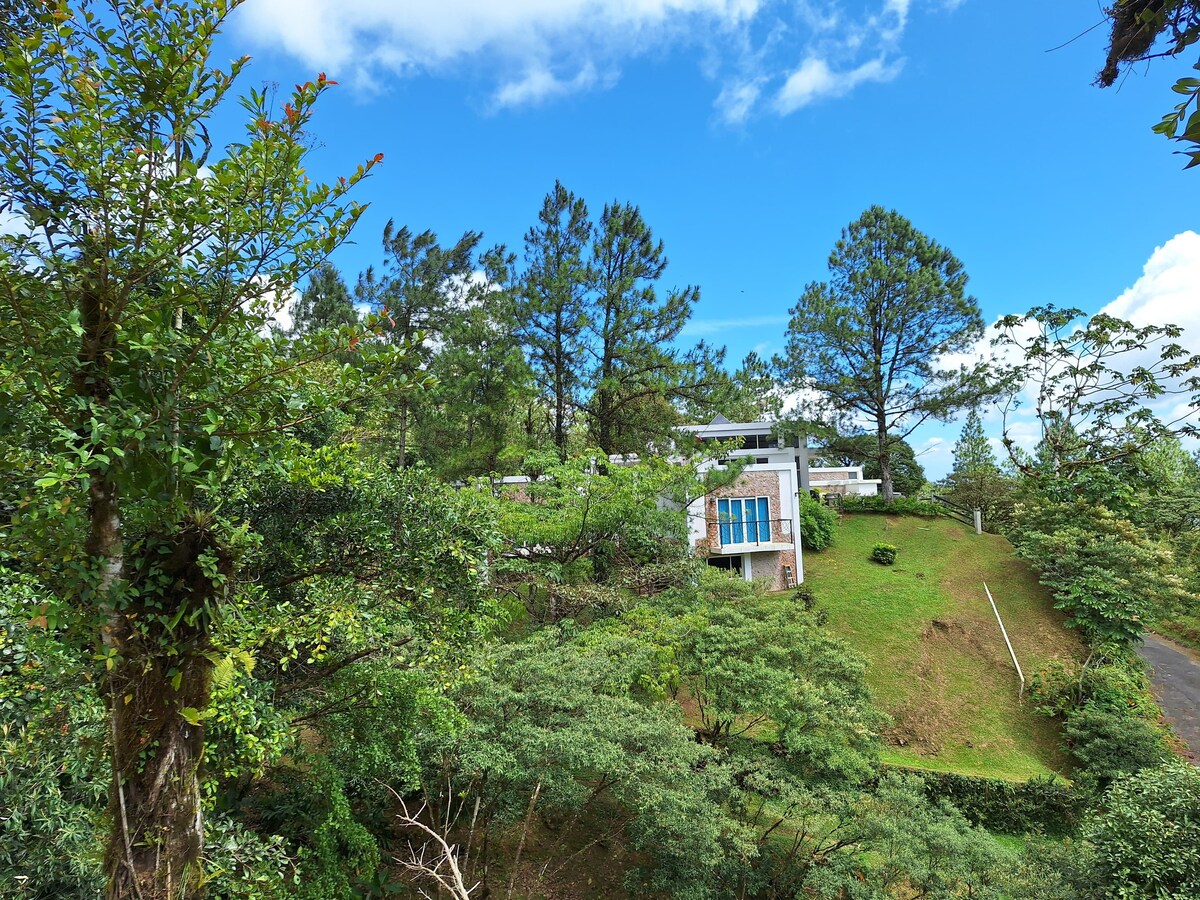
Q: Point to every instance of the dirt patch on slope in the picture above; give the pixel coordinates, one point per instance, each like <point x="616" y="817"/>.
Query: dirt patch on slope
<point x="940" y="708"/>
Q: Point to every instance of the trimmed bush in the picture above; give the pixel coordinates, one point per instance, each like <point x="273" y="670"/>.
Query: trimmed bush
<point x="1047" y="804"/>
<point x="885" y="554"/>
<point x="901" y="505"/>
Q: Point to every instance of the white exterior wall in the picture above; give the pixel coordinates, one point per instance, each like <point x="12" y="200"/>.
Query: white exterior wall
<point x="781" y="462"/>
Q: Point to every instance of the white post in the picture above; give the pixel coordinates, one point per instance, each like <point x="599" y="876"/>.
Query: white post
<point x="1004" y="632"/>
<point x="979" y="521"/>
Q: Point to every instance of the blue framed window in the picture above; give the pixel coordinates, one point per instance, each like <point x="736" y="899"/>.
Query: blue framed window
<point x="744" y="520"/>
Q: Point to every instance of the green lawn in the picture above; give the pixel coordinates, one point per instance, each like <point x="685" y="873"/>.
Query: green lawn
<point x="938" y="663"/>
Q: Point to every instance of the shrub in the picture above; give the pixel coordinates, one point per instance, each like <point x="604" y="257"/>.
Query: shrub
<point x="1046" y="804"/>
<point x="1110" y="743"/>
<point x="1147" y="834"/>
<point x="817" y="522"/>
<point x="900" y="505"/>
<point x="884" y="554"/>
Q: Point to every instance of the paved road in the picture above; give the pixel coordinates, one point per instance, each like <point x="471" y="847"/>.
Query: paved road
<point x="1175" y="673"/>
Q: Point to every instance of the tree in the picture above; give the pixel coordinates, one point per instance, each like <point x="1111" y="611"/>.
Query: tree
<point x="1093" y="385"/>
<point x="467" y="421"/>
<point x="1106" y="574"/>
<point x="552" y="306"/>
<point x="1138" y="26"/>
<point x="1146" y="834"/>
<point x="638" y="375"/>
<point x="325" y="303"/>
<point x="869" y="343"/>
<point x="975" y="480"/>
<point x="755" y="392"/>
<point x="418" y="291"/>
<point x="131" y="319"/>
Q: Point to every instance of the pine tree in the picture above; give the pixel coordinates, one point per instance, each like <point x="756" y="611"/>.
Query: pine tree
<point x="419" y="290"/>
<point x="325" y="303"/>
<point x="638" y="374"/>
<point x="973" y="453"/>
<point x="552" y="305"/>
<point x="867" y="342"/>
<point x="976" y="480"/>
<point x="469" y="418"/>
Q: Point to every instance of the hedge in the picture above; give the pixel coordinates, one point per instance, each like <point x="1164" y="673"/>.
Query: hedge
<point x="1046" y="803"/>
<point x="876" y="504"/>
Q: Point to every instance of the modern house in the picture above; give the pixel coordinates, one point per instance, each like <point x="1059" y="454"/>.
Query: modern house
<point x="842" y="480"/>
<point x="752" y="526"/>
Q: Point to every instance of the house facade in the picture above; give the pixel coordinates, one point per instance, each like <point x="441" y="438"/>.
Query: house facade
<point x="752" y="527"/>
<point x="845" y="480"/>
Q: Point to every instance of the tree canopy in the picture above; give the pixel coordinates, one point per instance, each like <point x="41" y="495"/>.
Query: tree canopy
<point x="133" y="313"/>
<point x="868" y="347"/>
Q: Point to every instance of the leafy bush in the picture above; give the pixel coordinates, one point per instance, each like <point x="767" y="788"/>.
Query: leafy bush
<point x="1147" y="834"/>
<point x="884" y="554"/>
<point x="912" y="847"/>
<point x="1111" y="744"/>
<point x="52" y="734"/>
<point x="1109" y="713"/>
<point x="817" y="523"/>
<point x="1105" y="572"/>
<point x="900" y="505"/>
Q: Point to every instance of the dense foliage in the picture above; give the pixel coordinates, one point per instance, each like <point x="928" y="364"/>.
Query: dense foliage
<point x="817" y="523"/>
<point x="273" y="624"/>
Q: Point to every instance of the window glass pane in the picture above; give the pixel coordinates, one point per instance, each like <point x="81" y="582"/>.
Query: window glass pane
<point x="736" y="513"/>
<point x="764" y="519"/>
<point x="723" y="519"/>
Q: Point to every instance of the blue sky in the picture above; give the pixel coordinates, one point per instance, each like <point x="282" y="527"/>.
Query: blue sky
<point x="750" y="132"/>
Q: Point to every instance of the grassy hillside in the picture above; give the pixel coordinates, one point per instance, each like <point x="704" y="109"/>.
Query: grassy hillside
<point x="938" y="662"/>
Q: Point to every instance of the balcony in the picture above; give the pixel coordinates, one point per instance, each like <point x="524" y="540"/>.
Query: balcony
<point x="750" y="536"/>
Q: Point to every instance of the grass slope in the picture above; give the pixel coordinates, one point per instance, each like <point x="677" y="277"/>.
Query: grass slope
<point x="938" y="662"/>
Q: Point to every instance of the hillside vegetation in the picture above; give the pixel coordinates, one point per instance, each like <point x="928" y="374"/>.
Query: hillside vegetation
<point x="938" y="663"/>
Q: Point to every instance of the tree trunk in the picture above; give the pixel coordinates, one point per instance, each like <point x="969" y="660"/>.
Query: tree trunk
<point x="885" y="462"/>
<point x="402" y="458"/>
<point x="157" y="690"/>
<point x="157" y="828"/>
<point x="604" y="417"/>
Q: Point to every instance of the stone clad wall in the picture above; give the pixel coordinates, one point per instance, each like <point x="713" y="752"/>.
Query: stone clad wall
<point x="767" y="564"/>
<point x="749" y="484"/>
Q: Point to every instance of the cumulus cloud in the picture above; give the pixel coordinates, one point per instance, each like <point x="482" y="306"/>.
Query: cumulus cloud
<point x="532" y="51"/>
<point x="1166" y="291"/>
<point x="815" y="80"/>
<point x="540" y="84"/>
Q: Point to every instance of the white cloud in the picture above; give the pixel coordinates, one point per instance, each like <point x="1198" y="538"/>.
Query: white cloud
<point x="703" y="327"/>
<point x="540" y="84"/>
<point x="815" y="80"/>
<point x="736" y="101"/>
<point x="1167" y="290"/>
<point x="533" y="51"/>
<point x="1164" y="293"/>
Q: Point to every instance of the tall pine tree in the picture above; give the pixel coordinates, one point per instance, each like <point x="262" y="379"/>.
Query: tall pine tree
<point x="324" y="303"/>
<point x="976" y="480"/>
<point x="469" y="418"/>
<point x="419" y="290"/>
<point x="638" y="375"/>
<point x="868" y="342"/>
<point x="552" y="305"/>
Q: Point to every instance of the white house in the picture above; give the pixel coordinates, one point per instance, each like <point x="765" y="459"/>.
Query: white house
<point x="752" y="527"/>
<point x="843" y="480"/>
